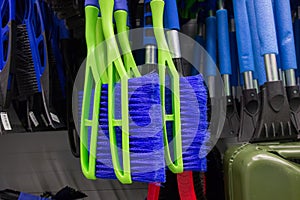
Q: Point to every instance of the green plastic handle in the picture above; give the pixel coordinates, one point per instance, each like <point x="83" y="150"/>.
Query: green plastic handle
<point x="165" y="58"/>
<point x="122" y="29"/>
<point x="88" y="158"/>
<point x="101" y="51"/>
<point x="115" y="65"/>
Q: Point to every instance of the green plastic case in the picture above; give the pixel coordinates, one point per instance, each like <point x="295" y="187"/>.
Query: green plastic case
<point x="269" y="171"/>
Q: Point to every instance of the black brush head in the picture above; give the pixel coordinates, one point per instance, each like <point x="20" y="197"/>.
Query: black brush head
<point x="68" y="193"/>
<point x="25" y="72"/>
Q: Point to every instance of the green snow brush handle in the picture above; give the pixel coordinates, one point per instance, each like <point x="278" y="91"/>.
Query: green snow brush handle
<point x="88" y="156"/>
<point x="99" y="47"/>
<point x="164" y="57"/>
<point x="114" y="60"/>
<point x="121" y="18"/>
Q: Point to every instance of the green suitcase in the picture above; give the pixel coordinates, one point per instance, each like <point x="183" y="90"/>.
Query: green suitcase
<point x="269" y="171"/>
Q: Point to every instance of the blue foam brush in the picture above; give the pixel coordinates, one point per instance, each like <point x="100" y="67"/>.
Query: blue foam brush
<point x="231" y="125"/>
<point x="274" y="123"/>
<point x="250" y="101"/>
<point x="287" y="52"/>
<point x="258" y="59"/>
<point x="297" y="41"/>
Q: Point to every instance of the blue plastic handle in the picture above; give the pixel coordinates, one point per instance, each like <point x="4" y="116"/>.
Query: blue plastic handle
<point x="245" y="51"/>
<point x="121" y="5"/>
<point x="37" y="40"/>
<point x="285" y="35"/>
<point x="6" y="28"/>
<point x="266" y="27"/>
<point x="94" y="3"/>
<point x="171" y="20"/>
<point x="12" y="5"/>
<point x="297" y="43"/>
<point x="149" y="38"/>
<point x="211" y="45"/>
<point x="234" y="79"/>
<point x="223" y="42"/>
<point x="258" y="59"/>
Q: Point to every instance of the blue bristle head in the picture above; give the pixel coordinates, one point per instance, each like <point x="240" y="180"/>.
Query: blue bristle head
<point x="146" y="137"/>
<point x="194" y="130"/>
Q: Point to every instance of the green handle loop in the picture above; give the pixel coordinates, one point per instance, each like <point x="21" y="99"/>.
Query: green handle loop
<point x="165" y="58"/>
<point x="115" y="62"/>
<point x="122" y="29"/>
<point x="88" y="158"/>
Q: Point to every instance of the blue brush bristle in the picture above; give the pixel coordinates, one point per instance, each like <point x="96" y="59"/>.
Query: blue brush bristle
<point x="193" y="98"/>
<point x="146" y="138"/>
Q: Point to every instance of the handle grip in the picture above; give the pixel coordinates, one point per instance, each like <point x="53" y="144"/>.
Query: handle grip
<point x="285" y="35"/>
<point x="223" y="42"/>
<point x="149" y="38"/>
<point x="266" y="27"/>
<point x="297" y="42"/>
<point x="121" y="5"/>
<point x="171" y="20"/>
<point x="258" y="59"/>
<point x="211" y="45"/>
<point x="94" y="3"/>
<point x="243" y="35"/>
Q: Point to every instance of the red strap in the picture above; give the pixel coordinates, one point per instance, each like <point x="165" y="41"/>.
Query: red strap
<point x="186" y="186"/>
<point x="153" y="191"/>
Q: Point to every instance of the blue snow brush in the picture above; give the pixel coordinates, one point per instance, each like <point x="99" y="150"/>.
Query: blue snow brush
<point x="183" y="152"/>
<point x="32" y="67"/>
<point x="123" y="138"/>
<point x="7" y="62"/>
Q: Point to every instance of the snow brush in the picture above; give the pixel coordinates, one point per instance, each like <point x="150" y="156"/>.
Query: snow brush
<point x="8" y="118"/>
<point x="250" y="101"/>
<point x="274" y="120"/>
<point x="127" y="145"/>
<point x="32" y="68"/>
<point x="288" y="60"/>
<point x="231" y="125"/>
<point x="190" y="90"/>
<point x="192" y="140"/>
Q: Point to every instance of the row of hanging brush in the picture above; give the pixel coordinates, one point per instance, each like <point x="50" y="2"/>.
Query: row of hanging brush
<point x="33" y="73"/>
